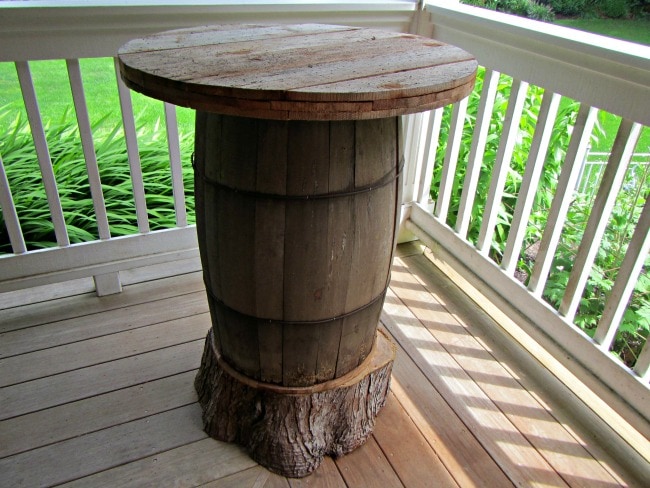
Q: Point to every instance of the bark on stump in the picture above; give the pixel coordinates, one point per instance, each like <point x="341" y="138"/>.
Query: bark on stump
<point x="289" y="430"/>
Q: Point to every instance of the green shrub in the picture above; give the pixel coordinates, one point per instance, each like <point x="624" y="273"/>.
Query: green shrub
<point x="614" y="9"/>
<point x="636" y="321"/>
<point x="516" y="7"/>
<point x="21" y="165"/>
<point x="568" y="8"/>
<point x="523" y="8"/>
<point x="539" y="11"/>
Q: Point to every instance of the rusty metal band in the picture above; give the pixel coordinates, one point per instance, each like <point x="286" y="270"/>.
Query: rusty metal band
<point x="372" y="302"/>
<point x="385" y="180"/>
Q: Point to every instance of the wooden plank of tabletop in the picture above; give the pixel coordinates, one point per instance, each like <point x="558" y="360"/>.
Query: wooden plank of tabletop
<point x="239" y="71"/>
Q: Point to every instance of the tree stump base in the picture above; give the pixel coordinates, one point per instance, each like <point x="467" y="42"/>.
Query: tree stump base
<point x="289" y="430"/>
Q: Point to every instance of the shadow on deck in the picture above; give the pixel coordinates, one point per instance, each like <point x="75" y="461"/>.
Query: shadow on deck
<point x="99" y="392"/>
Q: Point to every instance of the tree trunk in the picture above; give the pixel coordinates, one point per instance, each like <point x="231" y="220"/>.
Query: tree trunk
<point x="290" y="429"/>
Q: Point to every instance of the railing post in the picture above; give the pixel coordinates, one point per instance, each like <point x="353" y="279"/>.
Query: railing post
<point x="107" y="283"/>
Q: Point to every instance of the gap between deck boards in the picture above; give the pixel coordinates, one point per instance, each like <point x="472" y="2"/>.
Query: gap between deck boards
<point x="458" y="413"/>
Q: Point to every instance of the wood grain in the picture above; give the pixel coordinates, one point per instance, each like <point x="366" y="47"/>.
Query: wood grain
<point x="415" y="462"/>
<point x="296" y="230"/>
<point x="104" y="449"/>
<point x="298" y="72"/>
<point x="74" y="419"/>
<point x="289" y="430"/>
<point x="204" y="463"/>
<point x="94" y="399"/>
<point x="83" y="383"/>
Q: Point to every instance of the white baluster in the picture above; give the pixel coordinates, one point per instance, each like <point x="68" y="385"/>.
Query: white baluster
<point x="530" y="181"/>
<point x="173" y="143"/>
<point x="477" y="150"/>
<point x="83" y="120"/>
<point x="429" y="155"/>
<point x="502" y="164"/>
<point x="626" y="139"/>
<point x="563" y="197"/>
<point x="626" y="280"/>
<point x="451" y="159"/>
<point x="134" y="156"/>
<point x="10" y="215"/>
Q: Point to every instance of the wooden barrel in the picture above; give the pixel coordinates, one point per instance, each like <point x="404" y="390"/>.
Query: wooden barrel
<point x="296" y="223"/>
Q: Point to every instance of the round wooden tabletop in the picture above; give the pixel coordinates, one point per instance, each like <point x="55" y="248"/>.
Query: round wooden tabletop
<point x="297" y="72"/>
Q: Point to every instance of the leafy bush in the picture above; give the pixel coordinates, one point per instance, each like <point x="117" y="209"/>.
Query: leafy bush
<point x="539" y="11"/>
<point x="568" y="8"/>
<point x="636" y="322"/>
<point x="523" y="8"/>
<point x="23" y="173"/>
<point x="614" y="9"/>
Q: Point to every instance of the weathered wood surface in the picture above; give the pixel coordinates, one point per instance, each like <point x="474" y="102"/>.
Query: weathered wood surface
<point x="55" y="418"/>
<point x="290" y="430"/>
<point x="296" y="224"/>
<point x="298" y="72"/>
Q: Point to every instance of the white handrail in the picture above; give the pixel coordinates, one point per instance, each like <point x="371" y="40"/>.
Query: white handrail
<point x="88" y="29"/>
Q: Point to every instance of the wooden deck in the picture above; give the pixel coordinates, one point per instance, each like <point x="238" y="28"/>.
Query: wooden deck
<point x="98" y="392"/>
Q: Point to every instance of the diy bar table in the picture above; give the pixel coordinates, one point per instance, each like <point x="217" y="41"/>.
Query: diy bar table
<point x="297" y="183"/>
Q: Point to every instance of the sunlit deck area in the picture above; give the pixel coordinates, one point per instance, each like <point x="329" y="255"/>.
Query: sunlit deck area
<point x="98" y="391"/>
<point x="523" y="350"/>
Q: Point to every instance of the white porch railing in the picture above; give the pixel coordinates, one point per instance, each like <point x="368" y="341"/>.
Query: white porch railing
<point x="611" y="75"/>
<point x="598" y="74"/>
<point x="70" y="30"/>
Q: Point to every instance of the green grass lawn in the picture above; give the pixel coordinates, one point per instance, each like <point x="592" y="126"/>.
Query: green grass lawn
<point x="100" y="84"/>
<point x="626" y="29"/>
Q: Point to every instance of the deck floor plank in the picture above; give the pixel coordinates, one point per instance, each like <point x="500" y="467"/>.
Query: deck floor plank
<point x="368" y="467"/>
<point x="455" y="445"/>
<point x="102" y="450"/>
<point x="514" y="453"/>
<point x="82" y="417"/>
<point x="255" y="477"/>
<point x="75" y="385"/>
<point x="69" y="357"/>
<point x="415" y="462"/>
<point x="196" y="463"/>
<point x="75" y="329"/>
<point x="326" y="476"/>
<point x="101" y="394"/>
<point x="549" y="437"/>
<point x="20" y="317"/>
